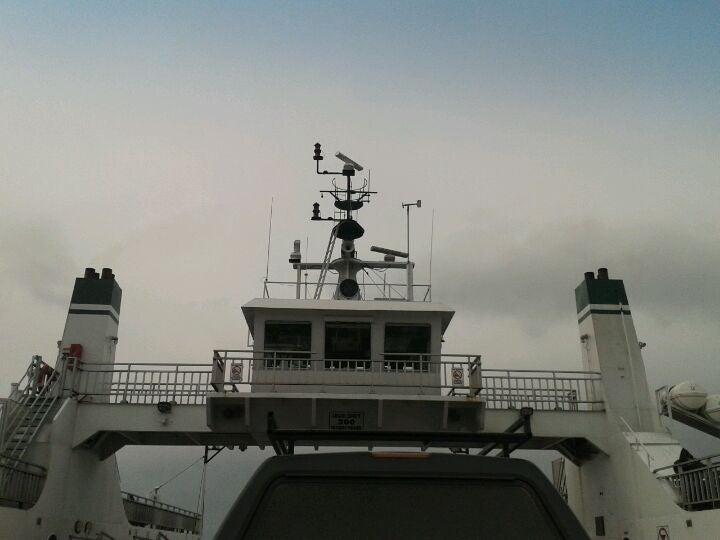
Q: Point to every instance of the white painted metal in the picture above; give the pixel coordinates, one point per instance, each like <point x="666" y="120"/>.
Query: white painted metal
<point x="325" y="266"/>
<point x="688" y="395"/>
<point x="696" y="484"/>
<point x="32" y="405"/>
<point x="21" y="482"/>
<point x="610" y="346"/>
<point x="712" y="408"/>
<point x="188" y="384"/>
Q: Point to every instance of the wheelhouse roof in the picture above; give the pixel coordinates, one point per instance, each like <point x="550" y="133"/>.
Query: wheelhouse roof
<point x="348" y="306"/>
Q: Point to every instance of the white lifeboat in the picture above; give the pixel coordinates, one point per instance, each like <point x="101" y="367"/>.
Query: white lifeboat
<point x="688" y="395"/>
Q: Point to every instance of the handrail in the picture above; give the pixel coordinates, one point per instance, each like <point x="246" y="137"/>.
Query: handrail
<point x="4" y="404"/>
<point x="110" y="367"/>
<point x="696" y="488"/>
<point x="273" y="282"/>
<point x="430" y="355"/>
<point x="232" y="369"/>
<point x="4" y="459"/>
<point x="20" y="485"/>
<point x="132" y="497"/>
<point x="82" y="365"/>
<point x="637" y="440"/>
<point x="316" y="294"/>
<point x="700" y="460"/>
<point x="36" y="401"/>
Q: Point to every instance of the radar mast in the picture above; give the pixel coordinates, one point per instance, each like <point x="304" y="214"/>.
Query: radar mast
<point x="348" y="199"/>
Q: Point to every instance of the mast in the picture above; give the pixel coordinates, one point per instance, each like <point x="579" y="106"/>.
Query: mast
<point x="348" y="199"/>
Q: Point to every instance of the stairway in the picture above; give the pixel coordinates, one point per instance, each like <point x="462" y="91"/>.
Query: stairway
<point x="39" y="412"/>
<point x="34" y="405"/>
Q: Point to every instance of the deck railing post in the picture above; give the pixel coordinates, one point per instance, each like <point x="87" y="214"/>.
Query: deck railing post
<point x="75" y="373"/>
<point x="126" y="384"/>
<point x="509" y="390"/>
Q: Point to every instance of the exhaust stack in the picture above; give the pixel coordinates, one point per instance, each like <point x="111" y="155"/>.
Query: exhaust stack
<point x="93" y="317"/>
<point x="610" y="346"/>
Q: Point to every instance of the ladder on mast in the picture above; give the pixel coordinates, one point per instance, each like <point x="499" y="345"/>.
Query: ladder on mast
<point x="325" y="264"/>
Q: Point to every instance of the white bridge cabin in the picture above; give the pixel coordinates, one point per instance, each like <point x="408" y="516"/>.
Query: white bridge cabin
<point x="339" y="346"/>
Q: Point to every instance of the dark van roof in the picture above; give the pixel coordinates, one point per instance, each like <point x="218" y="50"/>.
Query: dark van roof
<point x="393" y="495"/>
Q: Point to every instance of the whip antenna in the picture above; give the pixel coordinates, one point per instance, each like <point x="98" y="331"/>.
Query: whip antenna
<point x="267" y="262"/>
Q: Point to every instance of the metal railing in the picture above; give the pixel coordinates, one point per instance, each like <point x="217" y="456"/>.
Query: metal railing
<point x="696" y="483"/>
<point x="4" y="411"/>
<point x="265" y="370"/>
<point x="245" y="370"/>
<point x="31" y="404"/>
<point x="143" y="383"/>
<point x="158" y="504"/>
<point x="21" y="482"/>
<point x="369" y="290"/>
<point x="146" y="511"/>
<point x="542" y="390"/>
<point x="559" y="477"/>
<point x="455" y="374"/>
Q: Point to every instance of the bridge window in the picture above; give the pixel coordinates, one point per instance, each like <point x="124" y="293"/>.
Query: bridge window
<point x="407" y="347"/>
<point x="287" y="342"/>
<point x="347" y="345"/>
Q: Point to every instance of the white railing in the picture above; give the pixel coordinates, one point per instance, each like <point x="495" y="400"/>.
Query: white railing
<point x="20" y="482"/>
<point x="542" y="390"/>
<point x="369" y="290"/>
<point x="456" y="374"/>
<point x="142" y="383"/>
<point x="238" y="369"/>
<point x="246" y="370"/>
<point x="696" y="483"/>
<point x="30" y="405"/>
<point x="144" y="511"/>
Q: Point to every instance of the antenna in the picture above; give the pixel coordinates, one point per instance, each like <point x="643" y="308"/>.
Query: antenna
<point x="432" y="234"/>
<point x="307" y="248"/>
<point x="407" y="206"/>
<point x="386" y="251"/>
<point x="267" y="262"/>
<point x="354" y="164"/>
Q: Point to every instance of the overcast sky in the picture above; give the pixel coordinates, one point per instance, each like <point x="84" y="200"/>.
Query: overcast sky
<point x="549" y="138"/>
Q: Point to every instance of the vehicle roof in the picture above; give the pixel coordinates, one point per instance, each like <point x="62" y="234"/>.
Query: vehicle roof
<point x="385" y="466"/>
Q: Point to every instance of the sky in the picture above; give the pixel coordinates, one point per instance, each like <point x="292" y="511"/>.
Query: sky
<point x="548" y="138"/>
